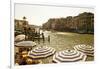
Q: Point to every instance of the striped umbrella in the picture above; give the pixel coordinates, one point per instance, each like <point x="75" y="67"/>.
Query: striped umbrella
<point x="41" y="52"/>
<point x="87" y="49"/>
<point x="69" y="56"/>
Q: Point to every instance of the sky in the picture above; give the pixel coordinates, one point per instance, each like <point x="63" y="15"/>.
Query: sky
<point x="39" y="14"/>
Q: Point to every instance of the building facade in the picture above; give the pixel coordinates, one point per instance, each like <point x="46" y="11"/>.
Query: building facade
<point x="21" y="24"/>
<point x="84" y="22"/>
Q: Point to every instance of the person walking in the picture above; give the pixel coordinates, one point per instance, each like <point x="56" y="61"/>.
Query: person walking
<point x="43" y="37"/>
<point x="49" y="38"/>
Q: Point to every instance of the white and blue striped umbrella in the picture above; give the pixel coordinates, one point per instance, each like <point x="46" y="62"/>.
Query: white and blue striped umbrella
<point x="87" y="49"/>
<point x="41" y="52"/>
<point x="69" y="56"/>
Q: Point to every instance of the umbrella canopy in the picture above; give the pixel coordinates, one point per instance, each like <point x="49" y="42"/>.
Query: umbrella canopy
<point x="87" y="49"/>
<point x="69" y="56"/>
<point x="20" y="37"/>
<point x="41" y="52"/>
<point x="25" y="43"/>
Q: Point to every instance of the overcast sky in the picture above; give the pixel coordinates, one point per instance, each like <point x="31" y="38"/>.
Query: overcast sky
<point x="37" y="15"/>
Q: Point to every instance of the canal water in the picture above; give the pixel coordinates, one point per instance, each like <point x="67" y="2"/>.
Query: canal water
<point x="65" y="40"/>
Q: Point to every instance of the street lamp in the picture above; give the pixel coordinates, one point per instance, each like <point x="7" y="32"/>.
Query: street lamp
<point x="25" y="26"/>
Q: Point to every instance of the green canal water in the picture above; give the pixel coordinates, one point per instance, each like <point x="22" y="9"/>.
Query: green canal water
<point x="65" y="40"/>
